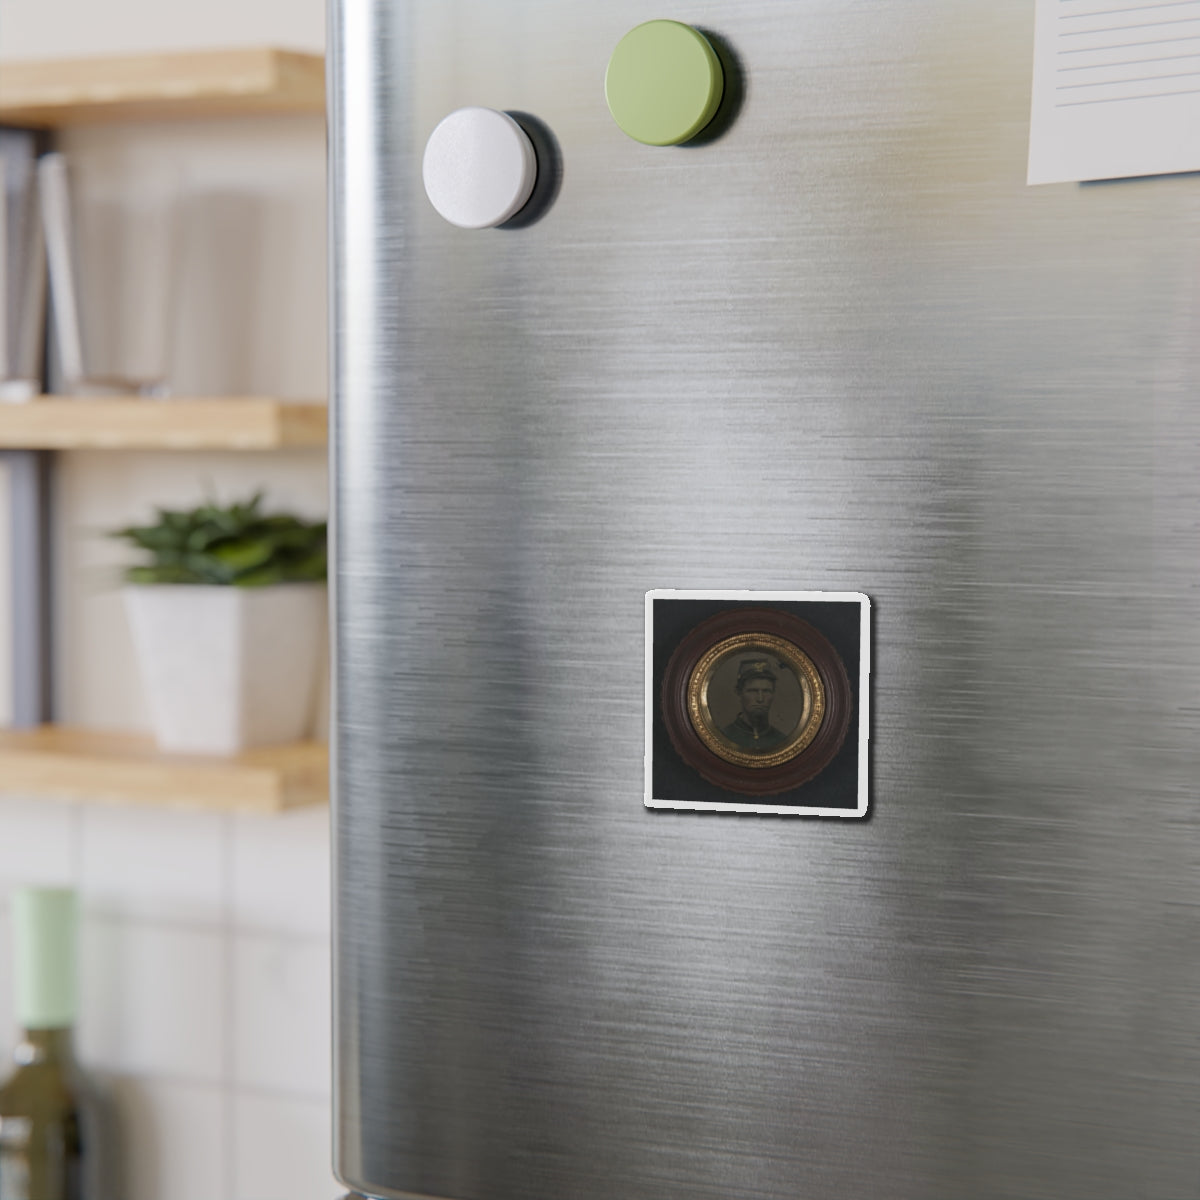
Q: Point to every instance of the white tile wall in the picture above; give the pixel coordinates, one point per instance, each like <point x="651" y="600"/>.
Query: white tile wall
<point x="205" y="980"/>
<point x="282" y="1150"/>
<point x="38" y="843"/>
<point x="154" y="864"/>
<point x="156" y="1000"/>
<point x="281" y="873"/>
<point x="171" y="1141"/>
<point x="282" y="1015"/>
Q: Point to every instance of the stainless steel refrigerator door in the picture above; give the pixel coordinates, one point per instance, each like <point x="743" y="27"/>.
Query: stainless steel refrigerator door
<point x="843" y="346"/>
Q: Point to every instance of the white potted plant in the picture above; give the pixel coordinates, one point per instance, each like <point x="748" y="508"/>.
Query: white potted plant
<point x="228" y="621"/>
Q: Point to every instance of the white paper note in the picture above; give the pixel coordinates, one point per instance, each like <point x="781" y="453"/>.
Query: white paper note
<point x="1116" y="89"/>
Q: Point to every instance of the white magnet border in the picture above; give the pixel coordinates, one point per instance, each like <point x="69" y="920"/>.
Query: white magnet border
<point x="864" y="702"/>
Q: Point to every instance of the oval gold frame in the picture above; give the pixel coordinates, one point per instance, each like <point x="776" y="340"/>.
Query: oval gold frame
<point x="806" y="674"/>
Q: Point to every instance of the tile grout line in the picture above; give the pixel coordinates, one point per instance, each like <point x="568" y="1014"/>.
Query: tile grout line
<point x="198" y="925"/>
<point x="316" y="1100"/>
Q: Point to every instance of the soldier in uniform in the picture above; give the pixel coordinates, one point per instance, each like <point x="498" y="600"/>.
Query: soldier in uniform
<point x="751" y="729"/>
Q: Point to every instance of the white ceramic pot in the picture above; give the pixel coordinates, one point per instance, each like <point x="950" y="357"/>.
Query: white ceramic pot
<point x="227" y="668"/>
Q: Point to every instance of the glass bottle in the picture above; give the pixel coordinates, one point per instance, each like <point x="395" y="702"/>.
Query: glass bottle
<point x="42" y="1139"/>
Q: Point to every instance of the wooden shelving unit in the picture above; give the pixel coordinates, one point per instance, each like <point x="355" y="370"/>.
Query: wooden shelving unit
<point x="85" y="765"/>
<point x="79" y="764"/>
<point x="228" y="423"/>
<point x="219" y="83"/>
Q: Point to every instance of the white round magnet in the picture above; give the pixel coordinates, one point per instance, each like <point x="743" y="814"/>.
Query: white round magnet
<point x="479" y="168"/>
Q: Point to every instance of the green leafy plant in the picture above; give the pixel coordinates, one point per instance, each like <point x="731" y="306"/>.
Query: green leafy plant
<point x="238" y="546"/>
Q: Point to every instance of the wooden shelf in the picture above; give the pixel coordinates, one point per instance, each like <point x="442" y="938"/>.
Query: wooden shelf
<point x="215" y="83"/>
<point x="229" y="423"/>
<point x="78" y="764"/>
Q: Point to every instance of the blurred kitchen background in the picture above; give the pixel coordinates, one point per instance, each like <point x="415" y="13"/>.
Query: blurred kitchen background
<point x="205" y="946"/>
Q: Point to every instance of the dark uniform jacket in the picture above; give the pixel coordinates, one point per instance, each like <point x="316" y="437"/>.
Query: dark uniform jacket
<point x="743" y="735"/>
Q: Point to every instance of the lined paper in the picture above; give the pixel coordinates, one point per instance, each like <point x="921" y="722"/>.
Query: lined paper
<point x="1116" y="89"/>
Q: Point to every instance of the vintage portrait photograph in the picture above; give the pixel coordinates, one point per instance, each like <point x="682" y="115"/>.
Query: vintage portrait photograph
<point x="757" y="702"/>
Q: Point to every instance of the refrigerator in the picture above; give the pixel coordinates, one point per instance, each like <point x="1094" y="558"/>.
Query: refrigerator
<point x="833" y="344"/>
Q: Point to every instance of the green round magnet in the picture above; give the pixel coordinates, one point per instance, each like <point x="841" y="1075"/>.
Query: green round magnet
<point x="664" y="83"/>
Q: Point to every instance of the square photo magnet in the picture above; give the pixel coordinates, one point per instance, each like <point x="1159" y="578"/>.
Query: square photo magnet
<point x="758" y="702"/>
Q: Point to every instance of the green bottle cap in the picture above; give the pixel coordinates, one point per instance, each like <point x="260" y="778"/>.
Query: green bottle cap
<point x="664" y="83"/>
<point x="44" y="924"/>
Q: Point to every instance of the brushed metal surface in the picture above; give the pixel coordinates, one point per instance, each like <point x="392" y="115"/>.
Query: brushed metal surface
<point x="841" y="347"/>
